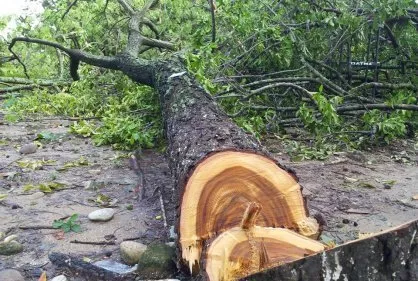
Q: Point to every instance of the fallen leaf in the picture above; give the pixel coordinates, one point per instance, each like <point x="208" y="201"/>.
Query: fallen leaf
<point x="59" y="235"/>
<point x="347" y="179"/>
<point x="366" y="185"/>
<point x="3" y="196"/>
<point x="43" y="277"/>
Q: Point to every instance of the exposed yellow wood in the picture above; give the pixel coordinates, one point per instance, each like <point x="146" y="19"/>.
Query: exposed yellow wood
<point x="220" y="188"/>
<point x="237" y="252"/>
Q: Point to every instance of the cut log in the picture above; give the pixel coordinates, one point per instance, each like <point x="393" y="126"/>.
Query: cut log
<point x="219" y="169"/>
<point x="219" y="190"/>
<point x="241" y="251"/>
<point x="388" y="256"/>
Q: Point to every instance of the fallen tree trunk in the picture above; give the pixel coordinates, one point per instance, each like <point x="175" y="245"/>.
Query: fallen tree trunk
<point x="389" y="256"/>
<point x="219" y="169"/>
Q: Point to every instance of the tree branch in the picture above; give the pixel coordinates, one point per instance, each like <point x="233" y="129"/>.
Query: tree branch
<point x="383" y="86"/>
<point x="68" y="9"/>
<point x="212" y="14"/>
<point x="380" y="106"/>
<point x="128" y="9"/>
<point x="139" y="70"/>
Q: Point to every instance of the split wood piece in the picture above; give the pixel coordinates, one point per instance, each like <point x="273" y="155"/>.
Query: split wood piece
<point x="391" y="255"/>
<point x="249" y="249"/>
<point x="219" y="190"/>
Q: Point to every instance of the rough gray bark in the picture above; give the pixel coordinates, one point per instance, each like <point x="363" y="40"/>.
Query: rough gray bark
<point x="390" y="256"/>
<point x="195" y="126"/>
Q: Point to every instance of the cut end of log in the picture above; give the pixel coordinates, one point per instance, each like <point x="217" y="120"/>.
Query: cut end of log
<point x="222" y="186"/>
<point x="237" y="253"/>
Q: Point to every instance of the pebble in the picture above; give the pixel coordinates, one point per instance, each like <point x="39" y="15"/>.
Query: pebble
<point x="28" y="148"/>
<point x="173" y="234"/>
<point x="131" y="251"/>
<point x="171" y="244"/>
<point x="59" y="278"/>
<point x="10" y="248"/>
<point x="10" y="238"/>
<point x="346" y="221"/>
<point x="101" y="215"/>
<point x="11" y="275"/>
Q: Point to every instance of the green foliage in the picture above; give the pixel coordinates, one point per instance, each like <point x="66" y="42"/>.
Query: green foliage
<point x="252" y="37"/>
<point x="48" y="187"/>
<point x="319" y="150"/>
<point x="124" y="114"/>
<point x="68" y="225"/>
<point x="388" y="126"/>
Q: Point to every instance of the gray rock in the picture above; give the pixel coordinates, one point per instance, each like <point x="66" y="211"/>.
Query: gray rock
<point x="131" y="251"/>
<point x="173" y="234"/>
<point x="11" y="275"/>
<point x="10" y="248"/>
<point x="171" y="244"/>
<point x="59" y="278"/>
<point x="101" y="215"/>
<point x="157" y="262"/>
<point x="28" y="148"/>
<point x="115" y="266"/>
<point x="10" y="238"/>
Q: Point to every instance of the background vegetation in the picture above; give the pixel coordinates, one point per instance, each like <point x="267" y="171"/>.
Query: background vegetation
<point x="340" y="73"/>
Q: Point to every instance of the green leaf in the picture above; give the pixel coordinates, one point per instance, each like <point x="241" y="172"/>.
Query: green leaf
<point x="57" y="223"/>
<point x="76" y="228"/>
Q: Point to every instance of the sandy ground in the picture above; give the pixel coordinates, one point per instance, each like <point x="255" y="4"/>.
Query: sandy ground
<point x="354" y="193"/>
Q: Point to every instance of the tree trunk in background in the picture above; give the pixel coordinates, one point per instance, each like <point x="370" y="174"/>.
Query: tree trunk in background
<point x="389" y="256"/>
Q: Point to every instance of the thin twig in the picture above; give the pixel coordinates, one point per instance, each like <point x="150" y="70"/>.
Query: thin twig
<point x="162" y="208"/>
<point x="93" y="242"/>
<point x="36" y="227"/>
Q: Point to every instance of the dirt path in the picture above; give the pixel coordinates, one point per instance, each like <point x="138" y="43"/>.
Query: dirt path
<point x="354" y="193"/>
<point x="107" y="173"/>
<point x="361" y="192"/>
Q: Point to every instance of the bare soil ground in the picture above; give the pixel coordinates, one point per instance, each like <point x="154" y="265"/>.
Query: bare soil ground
<point x="353" y="193"/>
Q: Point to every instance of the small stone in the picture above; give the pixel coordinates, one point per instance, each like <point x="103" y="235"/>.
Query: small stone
<point x="10" y="248"/>
<point x="28" y="148"/>
<point x="355" y="223"/>
<point x="59" y="278"/>
<point x="173" y="234"/>
<point x="131" y="251"/>
<point x="157" y="262"/>
<point x="10" y="238"/>
<point x="171" y="244"/>
<point x="11" y="275"/>
<point x="346" y="221"/>
<point x="101" y="215"/>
